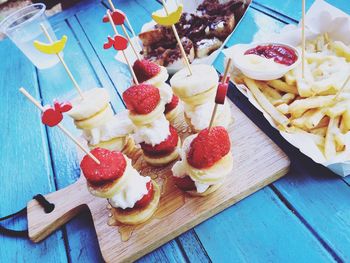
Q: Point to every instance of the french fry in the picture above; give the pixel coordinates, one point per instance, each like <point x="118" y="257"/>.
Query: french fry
<point x="266" y="89"/>
<point x="315" y="118"/>
<point x="283" y="108"/>
<point x="265" y="104"/>
<point x="342" y="126"/>
<point x="329" y="145"/>
<point x="300" y="122"/>
<point x="319" y="131"/>
<point x="346" y="118"/>
<point x="298" y="107"/>
<point x="337" y="109"/>
<point x="340" y="49"/>
<point x="290" y="78"/>
<point x="283" y="86"/>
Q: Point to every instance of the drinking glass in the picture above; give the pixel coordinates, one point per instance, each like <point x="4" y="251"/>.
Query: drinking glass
<point x="23" y="27"/>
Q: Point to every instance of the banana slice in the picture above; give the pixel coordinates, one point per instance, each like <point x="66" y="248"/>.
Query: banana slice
<point x="94" y="101"/>
<point x="160" y="78"/>
<point x="161" y="161"/>
<point x="98" y="119"/>
<point x="210" y="190"/>
<point x="115" y="144"/>
<point x="137" y="216"/>
<point x="203" y="78"/>
<point x="143" y="119"/>
<point x="200" y="98"/>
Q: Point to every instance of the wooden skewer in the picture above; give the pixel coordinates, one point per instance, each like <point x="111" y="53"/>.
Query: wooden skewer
<point x="184" y="56"/>
<point x="125" y="57"/>
<point x="303" y="40"/>
<point x="126" y="32"/>
<point x="63" y="62"/>
<point x="342" y="88"/>
<point x="65" y="131"/>
<point x="223" y="80"/>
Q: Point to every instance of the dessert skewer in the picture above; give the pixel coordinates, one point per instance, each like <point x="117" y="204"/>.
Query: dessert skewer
<point x="52" y="49"/>
<point x="56" y="122"/>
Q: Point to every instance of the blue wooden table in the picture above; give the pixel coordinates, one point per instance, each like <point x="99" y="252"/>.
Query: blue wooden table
<point x="304" y="217"/>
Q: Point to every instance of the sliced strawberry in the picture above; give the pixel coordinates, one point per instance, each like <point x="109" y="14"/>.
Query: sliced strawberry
<point x="145" y="69"/>
<point x="221" y="93"/>
<point x="146" y="199"/>
<point x="112" y="166"/>
<point x="172" y="104"/>
<point x="184" y="183"/>
<point x="165" y="147"/>
<point x="142" y="98"/>
<point x="208" y="147"/>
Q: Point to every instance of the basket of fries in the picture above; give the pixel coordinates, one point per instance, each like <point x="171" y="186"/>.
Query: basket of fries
<point x="312" y="112"/>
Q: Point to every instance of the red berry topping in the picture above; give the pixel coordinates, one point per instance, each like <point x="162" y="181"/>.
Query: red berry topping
<point x="112" y="166"/>
<point x="172" y="104"/>
<point x="184" y="183"/>
<point x="221" y="93"/>
<point x="142" y="98"/>
<point x="165" y="147"/>
<point x="145" y="69"/>
<point x="208" y="147"/>
<point x="146" y="199"/>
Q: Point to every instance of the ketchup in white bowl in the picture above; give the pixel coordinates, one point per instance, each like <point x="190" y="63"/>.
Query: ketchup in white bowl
<point x="265" y="61"/>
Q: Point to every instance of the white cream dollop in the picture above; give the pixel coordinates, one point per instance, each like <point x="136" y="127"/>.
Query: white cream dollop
<point x="119" y="126"/>
<point x="134" y="189"/>
<point x="165" y="92"/>
<point x="153" y="133"/>
<point x="200" y="115"/>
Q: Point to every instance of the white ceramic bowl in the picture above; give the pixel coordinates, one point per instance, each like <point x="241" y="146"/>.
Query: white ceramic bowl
<point x="264" y="74"/>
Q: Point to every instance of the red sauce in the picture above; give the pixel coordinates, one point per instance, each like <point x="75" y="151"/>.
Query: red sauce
<point x="280" y="54"/>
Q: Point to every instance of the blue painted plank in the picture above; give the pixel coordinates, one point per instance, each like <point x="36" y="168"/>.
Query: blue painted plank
<point x="292" y="8"/>
<point x="22" y="176"/>
<point x="259" y="229"/>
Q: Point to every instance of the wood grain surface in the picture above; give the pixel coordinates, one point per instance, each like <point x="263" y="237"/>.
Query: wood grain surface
<point x="257" y="162"/>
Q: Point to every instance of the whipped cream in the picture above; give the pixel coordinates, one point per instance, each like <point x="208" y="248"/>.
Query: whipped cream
<point x="153" y="133"/>
<point x="119" y="126"/>
<point x="165" y="92"/>
<point x="200" y="115"/>
<point x="131" y="192"/>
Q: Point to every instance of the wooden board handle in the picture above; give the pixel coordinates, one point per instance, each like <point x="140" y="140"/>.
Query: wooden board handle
<point x="68" y="201"/>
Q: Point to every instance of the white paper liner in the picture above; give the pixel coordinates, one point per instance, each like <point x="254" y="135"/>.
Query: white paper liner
<point x="320" y="18"/>
<point x="190" y="6"/>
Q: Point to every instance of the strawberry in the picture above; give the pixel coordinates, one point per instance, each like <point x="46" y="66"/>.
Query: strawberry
<point x="221" y="93"/>
<point x="208" y="147"/>
<point x="145" y="69"/>
<point x="146" y="199"/>
<point x="142" y="98"/>
<point x="165" y="147"/>
<point x="184" y="183"/>
<point x="172" y="104"/>
<point x="112" y="166"/>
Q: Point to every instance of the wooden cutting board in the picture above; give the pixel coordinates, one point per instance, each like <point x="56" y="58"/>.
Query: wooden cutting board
<point x="257" y="162"/>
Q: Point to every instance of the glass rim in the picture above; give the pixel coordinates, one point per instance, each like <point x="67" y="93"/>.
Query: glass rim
<point x="4" y="28"/>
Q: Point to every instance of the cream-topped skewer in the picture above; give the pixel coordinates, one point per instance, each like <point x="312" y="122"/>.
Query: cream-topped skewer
<point x="59" y="125"/>
<point x="56" y="48"/>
